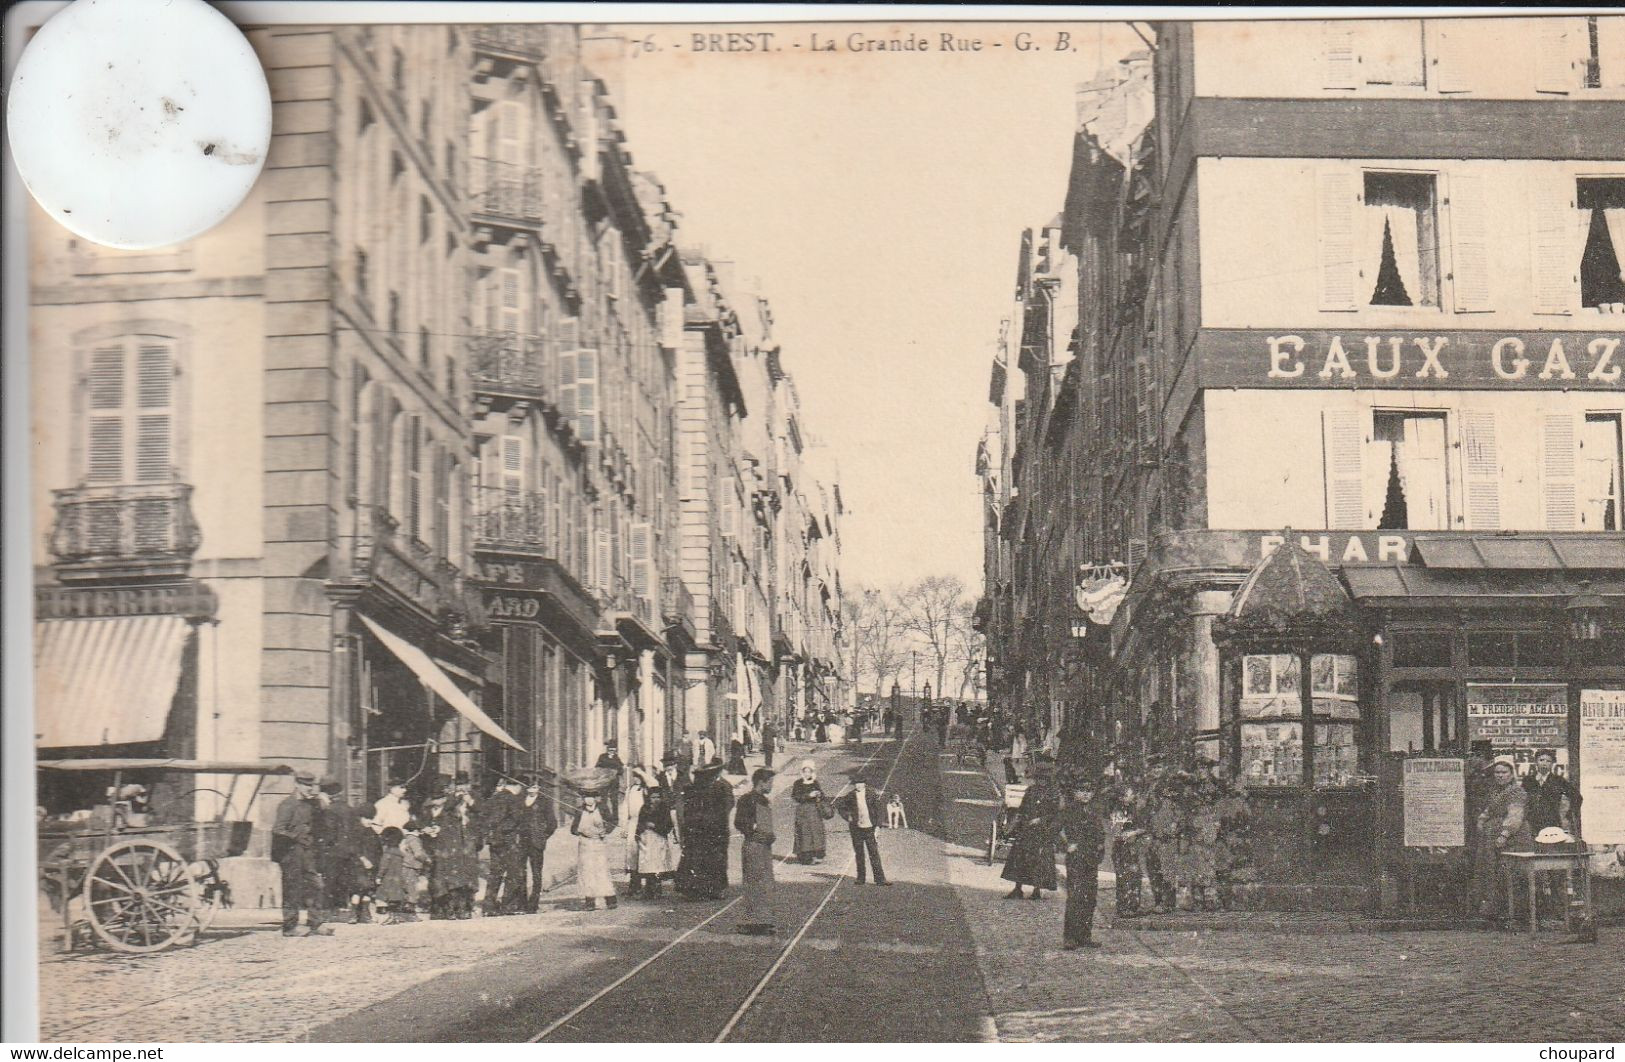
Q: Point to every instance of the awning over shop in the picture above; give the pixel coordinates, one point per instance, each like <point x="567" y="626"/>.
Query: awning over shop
<point x="105" y="681"/>
<point x="1472" y="588"/>
<point x="430" y="674"/>
<point x="1525" y="552"/>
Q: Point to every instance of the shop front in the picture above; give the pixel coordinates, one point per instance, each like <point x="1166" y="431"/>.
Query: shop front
<point x="1360" y="690"/>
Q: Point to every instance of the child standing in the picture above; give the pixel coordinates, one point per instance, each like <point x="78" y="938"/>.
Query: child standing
<point x="395" y="887"/>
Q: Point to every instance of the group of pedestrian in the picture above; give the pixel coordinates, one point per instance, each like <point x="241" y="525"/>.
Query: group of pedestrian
<point x="1509" y="815"/>
<point x="1060" y="813"/>
<point x="1182" y="830"/>
<point x="339" y="863"/>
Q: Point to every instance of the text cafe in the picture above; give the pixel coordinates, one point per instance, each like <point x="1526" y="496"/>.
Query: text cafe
<point x="1360" y="674"/>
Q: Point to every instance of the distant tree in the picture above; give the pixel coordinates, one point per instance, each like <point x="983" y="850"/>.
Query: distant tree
<point x="875" y="623"/>
<point x="937" y="613"/>
<point x="968" y="655"/>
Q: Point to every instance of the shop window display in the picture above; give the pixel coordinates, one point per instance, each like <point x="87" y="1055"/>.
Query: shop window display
<point x="1271" y="719"/>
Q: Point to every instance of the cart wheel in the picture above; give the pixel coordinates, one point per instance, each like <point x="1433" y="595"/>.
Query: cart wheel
<point x="141" y="897"/>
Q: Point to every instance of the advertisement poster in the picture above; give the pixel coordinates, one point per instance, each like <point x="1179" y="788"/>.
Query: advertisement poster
<point x="1435" y="803"/>
<point x="1518" y="718"/>
<point x="1602" y="756"/>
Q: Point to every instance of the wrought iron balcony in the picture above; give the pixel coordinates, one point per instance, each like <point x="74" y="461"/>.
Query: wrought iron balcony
<point x="124" y="531"/>
<point x="513" y="365"/>
<point x="677" y="604"/>
<point x="511" y="521"/>
<point x="506" y="192"/>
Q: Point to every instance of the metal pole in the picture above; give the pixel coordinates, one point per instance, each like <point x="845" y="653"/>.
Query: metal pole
<point x="914" y="672"/>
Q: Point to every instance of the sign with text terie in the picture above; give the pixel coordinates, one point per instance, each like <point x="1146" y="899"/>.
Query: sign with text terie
<point x="1581" y="361"/>
<point x="1435" y="804"/>
<point x="1517" y="718"/>
<point x="1602" y="766"/>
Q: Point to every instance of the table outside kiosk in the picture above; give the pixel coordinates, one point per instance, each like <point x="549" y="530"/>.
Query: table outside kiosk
<point x="1533" y="864"/>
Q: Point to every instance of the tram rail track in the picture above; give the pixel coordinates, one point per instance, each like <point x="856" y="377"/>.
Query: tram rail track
<point x="762" y="983"/>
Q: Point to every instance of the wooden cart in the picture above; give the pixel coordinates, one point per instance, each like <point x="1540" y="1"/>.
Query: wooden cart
<point x="144" y="887"/>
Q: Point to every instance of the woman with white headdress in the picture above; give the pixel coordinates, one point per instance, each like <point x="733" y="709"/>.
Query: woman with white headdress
<point x="810" y="803"/>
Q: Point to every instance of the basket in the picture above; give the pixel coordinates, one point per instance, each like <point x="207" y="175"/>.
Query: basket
<point x="590" y="779"/>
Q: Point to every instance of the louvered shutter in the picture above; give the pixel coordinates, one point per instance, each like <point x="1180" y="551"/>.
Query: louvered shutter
<point x="154" y="387"/>
<point x="1557" y="464"/>
<point x="1452" y="53"/>
<point x="512" y="313"/>
<point x="642" y="561"/>
<point x="1470" y="244"/>
<point x="1338" y="55"/>
<point x="1554" y="245"/>
<point x="414" y="476"/>
<point x="1554" y="56"/>
<point x="442" y="502"/>
<point x="1611" y="50"/>
<point x="513" y="463"/>
<point x="567" y="386"/>
<point x="104" y="461"/>
<point x="1338" y="197"/>
<point x="1344" y="436"/>
<point x="587" y="394"/>
<point x="1481" y="470"/>
<point x="602" y="546"/>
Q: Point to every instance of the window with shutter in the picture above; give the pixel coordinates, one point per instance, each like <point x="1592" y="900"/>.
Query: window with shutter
<point x="1338" y="55"/>
<point x="512" y="314"/>
<point x="567" y="386"/>
<point x="605" y="579"/>
<point x="1481" y="470"/>
<point x="1344" y="437"/>
<point x="1338" y="195"/>
<point x="587" y="394"/>
<point x="414" y="477"/>
<point x="513" y="463"/>
<point x="1557" y="464"/>
<point x="1470" y="249"/>
<point x="1554" y="245"/>
<point x="1607" y="33"/>
<point x="129" y="411"/>
<point x="1600" y="465"/>
<point x="442" y="502"/>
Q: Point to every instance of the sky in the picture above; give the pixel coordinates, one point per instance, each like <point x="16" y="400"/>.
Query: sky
<point x="878" y="199"/>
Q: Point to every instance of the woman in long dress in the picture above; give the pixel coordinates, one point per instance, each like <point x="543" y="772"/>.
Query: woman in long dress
<point x="455" y="872"/>
<point x="631" y="806"/>
<point x="809" y="800"/>
<point x="593" y="826"/>
<point x="754" y="819"/>
<point x="702" y="872"/>
<point x="1502" y="827"/>
<point x="1032" y="849"/>
<point x="656" y="827"/>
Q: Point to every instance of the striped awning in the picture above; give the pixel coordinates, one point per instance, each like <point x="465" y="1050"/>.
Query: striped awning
<point x="105" y="681"/>
<point x="431" y="675"/>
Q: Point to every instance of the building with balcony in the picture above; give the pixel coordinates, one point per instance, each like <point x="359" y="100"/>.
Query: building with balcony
<point x="428" y="460"/>
<point x="1352" y="385"/>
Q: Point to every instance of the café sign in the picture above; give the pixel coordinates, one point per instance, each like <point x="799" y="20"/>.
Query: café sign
<point x="1313" y="358"/>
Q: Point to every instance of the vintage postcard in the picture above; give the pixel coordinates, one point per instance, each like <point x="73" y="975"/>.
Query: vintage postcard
<point x="814" y="531"/>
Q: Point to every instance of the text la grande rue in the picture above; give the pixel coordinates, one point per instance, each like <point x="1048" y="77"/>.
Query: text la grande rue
<point x="1430" y="357"/>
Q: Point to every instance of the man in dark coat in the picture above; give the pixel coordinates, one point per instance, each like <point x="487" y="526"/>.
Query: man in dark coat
<point x="294" y="837"/>
<point x="770" y="742"/>
<point x="863" y="811"/>
<point x="500" y="822"/>
<point x="1553" y="801"/>
<point x="346" y="854"/>
<point x="707" y="806"/>
<point x="536" y="824"/>
<point x="1084" y="840"/>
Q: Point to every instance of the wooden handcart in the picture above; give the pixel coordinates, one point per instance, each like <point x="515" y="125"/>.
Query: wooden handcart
<point x="143" y="886"/>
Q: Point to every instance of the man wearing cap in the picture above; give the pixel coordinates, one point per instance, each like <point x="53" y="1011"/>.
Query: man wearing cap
<point x="501" y="825"/>
<point x="293" y="848"/>
<point x="1083" y="837"/>
<point x="536" y="824"/>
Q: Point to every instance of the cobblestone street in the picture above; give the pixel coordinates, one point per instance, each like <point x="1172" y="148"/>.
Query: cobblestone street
<point x="940" y="956"/>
